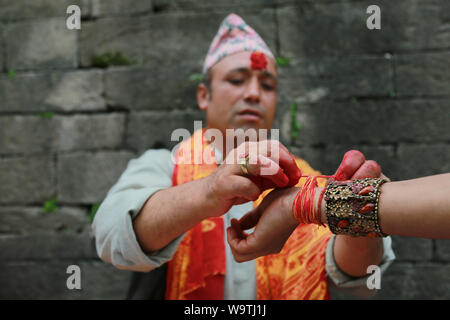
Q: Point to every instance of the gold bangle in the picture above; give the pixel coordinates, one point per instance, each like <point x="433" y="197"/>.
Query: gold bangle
<point x="352" y="207"/>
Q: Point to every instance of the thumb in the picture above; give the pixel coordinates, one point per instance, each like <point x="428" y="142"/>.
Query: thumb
<point x="351" y="162"/>
<point x="250" y="219"/>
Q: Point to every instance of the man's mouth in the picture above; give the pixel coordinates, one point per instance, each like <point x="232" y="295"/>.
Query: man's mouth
<point x="250" y="114"/>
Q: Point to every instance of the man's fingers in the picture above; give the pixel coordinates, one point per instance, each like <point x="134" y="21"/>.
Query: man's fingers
<point x="278" y="153"/>
<point x="370" y="169"/>
<point x="270" y="170"/>
<point x="350" y="164"/>
<point x="289" y="166"/>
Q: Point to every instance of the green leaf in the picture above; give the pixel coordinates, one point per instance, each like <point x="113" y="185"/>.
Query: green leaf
<point x="45" y="115"/>
<point x="94" y="209"/>
<point x="11" y="73"/>
<point x="392" y="94"/>
<point x="282" y="61"/>
<point x="196" y="77"/>
<point x="50" y="206"/>
<point x="295" y="125"/>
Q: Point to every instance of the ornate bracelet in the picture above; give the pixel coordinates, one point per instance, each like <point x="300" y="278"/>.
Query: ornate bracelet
<point x="352" y="207"/>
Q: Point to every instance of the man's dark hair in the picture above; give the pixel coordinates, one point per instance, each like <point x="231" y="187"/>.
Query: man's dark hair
<point x="207" y="81"/>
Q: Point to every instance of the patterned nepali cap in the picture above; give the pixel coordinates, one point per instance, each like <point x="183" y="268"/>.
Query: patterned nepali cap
<point x="234" y="36"/>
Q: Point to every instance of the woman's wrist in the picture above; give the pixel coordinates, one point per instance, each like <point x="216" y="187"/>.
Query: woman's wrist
<point x="321" y="204"/>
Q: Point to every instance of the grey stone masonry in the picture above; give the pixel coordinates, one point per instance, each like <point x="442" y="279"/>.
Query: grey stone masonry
<point x="15" y="10"/>
<point x="77" y="105"/>
<point x="62" y="234"/>
<point x="55" y="91"/>
<point x="40" y="44"/>
<point x="34" y="134"/>
<point x="27" y="179"/>
<point x="86" y="177"/>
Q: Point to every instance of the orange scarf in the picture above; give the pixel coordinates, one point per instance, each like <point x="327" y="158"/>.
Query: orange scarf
<point x="197" y="270"/>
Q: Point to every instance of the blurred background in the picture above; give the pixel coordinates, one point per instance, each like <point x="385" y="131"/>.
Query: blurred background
<point x="77" y="105"/>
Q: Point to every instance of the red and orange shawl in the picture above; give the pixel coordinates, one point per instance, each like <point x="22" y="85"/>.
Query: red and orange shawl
<point x="197" y="270"/>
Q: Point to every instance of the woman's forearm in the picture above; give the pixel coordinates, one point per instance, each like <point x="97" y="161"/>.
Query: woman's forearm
<point x="414" y="208"/>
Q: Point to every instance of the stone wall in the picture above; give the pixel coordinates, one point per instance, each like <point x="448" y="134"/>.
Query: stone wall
<point x="69" y="126"/>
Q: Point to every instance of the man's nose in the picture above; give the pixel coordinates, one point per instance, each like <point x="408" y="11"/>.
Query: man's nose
<point x="253" y="91"/>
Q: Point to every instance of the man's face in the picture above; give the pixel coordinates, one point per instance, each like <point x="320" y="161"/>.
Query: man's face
<point x="241" y="97"/>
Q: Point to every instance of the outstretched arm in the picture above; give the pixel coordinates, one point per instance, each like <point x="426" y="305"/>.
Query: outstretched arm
<point x="415" y="208"/>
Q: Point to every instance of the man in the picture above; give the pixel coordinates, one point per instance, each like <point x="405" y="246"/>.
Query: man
<point x="171" y="217"/>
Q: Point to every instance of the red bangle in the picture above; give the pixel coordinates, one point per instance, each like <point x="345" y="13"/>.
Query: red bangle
<point x="303" y="207"/>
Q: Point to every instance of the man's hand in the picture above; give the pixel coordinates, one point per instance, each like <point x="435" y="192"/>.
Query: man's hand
<point x="270" y="166"/>
<point x="273" y="218"/>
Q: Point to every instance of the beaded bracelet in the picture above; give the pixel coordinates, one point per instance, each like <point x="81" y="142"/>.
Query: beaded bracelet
<point x="352" y="207"/>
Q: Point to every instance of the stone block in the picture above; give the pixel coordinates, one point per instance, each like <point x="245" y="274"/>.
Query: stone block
<point x="338" y="28"/>
<point x="55" y="91"/>
<point x="87" y="132"/>
<point x="153" y="129"/>
<point x="420" y="120"/>
<point x="126" y="35"/>
<point x="85" y="178"/>
<point x="443" y="249"/>
<point x="142" y="89"/>
<point x="40" y="44"/>
<point x="394" y="282"/>
<point x="192" y="5"/>
<point x="423" y="74"/>
<point x="2" y="44"/>
<point x="415" y="281"/>
<point x="25" y="134"/>
<point x="119" y="7"/>
<point x="369" y="122"/>
<point x="423" y="160"/>
<point x="34" y="134"/>
<point x="337" y="78"/>
<point x="76" y="91"/>
<point x="27" y="179"/>
<point x="429" y="281"/>
<point x="32" y="234"/>
<point x="48" y="280"/>
<point x="412" y="249"/>
<point x="13" y="10"/>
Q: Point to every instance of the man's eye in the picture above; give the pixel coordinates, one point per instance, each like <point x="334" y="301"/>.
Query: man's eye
<point x="236" y="81"/>
<point x="268" y="87"/>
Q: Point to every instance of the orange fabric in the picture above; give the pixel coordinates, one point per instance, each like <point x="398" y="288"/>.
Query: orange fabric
<point x="197" y="270"/>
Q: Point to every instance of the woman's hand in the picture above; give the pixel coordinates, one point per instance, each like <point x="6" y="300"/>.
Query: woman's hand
<point x="274" y="224"/>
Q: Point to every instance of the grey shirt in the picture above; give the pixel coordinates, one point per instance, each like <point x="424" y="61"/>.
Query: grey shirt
<point x="116" y="241"/>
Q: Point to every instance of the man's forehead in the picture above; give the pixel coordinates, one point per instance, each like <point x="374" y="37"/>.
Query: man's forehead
<point x="240" y="62"/>
<point x="245" y="69"/>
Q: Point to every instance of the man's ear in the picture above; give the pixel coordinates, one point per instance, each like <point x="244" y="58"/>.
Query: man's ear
<point x="203" y="96"/>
